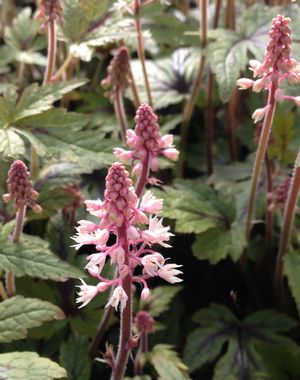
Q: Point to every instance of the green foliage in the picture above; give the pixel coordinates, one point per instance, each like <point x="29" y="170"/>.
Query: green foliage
<point x="160" y="300"/>
<point x="241" y="358"/>
<point x="291" y="267"/>
<point x="198" y="209"/>
<point x="167" y="363"/>
<point x="22" y="40"/>
<point x="32" y="257"/>
<point x="74" y="358"/>
<point x="29" y="366"/>
<point x="84" y="12"/>
<point x="18" y="314"/>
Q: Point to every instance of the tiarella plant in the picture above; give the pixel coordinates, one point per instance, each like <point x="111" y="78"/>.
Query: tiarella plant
<point x="134" y="222"/>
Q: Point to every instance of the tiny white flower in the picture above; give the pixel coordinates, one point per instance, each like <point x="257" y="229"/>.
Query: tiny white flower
<point x="86" y="293"/>
<point x="119" y="296"/>
<point x="152" y="263"/>
<point x="156" y="232"/>
<point x="150" y="203"/>
<point x="81" y="51"/>
<point x="169" y="272"/>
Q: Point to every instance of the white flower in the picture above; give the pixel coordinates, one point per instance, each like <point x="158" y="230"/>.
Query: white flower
<point x="169" y="272"/>
<point x="118" y="296"/>
<point x="86" y="293"/>
<point x="117" y="256"/>
<point x="98" y="237"/>
<point x="156" y="232"/>
<point x="145" y="295"/>
<point x="81" y="51"/>
<point x="96" y="263"/>
<point x="258" y="114"/>
<point x="150" y="203"/>
<point x="152" y="263"/>
<point x="94" y="207"/>
<point x="86" y="227"/>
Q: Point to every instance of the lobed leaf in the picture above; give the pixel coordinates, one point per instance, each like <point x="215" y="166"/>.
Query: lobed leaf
<point x="29" y="366"/>
<point x="32" y="257"/>
<point x="18" y="314"/>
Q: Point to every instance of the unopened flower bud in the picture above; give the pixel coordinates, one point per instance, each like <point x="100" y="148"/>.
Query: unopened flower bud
<point x="258" y="114"/>
<point x="244" y="83"/>
<point x="144" y="322"/>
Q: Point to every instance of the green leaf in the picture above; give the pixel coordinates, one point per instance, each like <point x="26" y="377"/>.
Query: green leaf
<point x="32" y="257"/>
<point x="216" y="244"/>
<point x="40" y="148"/>
<point x="53" y="118"/>
<point x="291" y="268"/>
<point x="11" y="145"/>
<point x="160" y="300"/>
<point x="37" y="99"/>
<point x="75" y="359"/>
<point x="18" y="314"/>
<point x="240" y="359"/>
<point x="29" y="366"/>
<point x="78" y="15"/>
<point x="167" y="363"/>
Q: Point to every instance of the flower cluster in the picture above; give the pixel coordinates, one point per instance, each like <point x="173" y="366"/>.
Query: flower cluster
<point x="20" y="188"/>
<point x="276" y="67"/>
<point x="146" y="142"/>
<point x="118" y="73"/>
<point x="136" y="228"/>
<point x="49" y="10"/>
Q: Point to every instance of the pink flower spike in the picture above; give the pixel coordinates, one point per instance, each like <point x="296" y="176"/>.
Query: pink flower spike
<point x="169" y="272"/>
<point x="171" y="154"/>
<point x="150" y="203"/>
<point x="244" y="83"/>
<point x="258" y="114"/>
<point x="86" y="293"/>
<point x="152" y="263"/>
<point x="119" y="296"/>
<point x="157" y="233"/>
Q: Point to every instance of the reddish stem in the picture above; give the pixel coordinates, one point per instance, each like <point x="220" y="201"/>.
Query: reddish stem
<point x="51" y="51"/>
<point x="142" y="180"/>
<point x="209" y="125"/>
<point x="126" y="314"/>
<point x="120" y="112"/>
<point x="269" y="211"/>
<point x="287" y="224"/>
<point x="140" y="47"/>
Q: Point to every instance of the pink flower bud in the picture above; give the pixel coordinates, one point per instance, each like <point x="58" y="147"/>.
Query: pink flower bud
<point x="244" y="83"/>
<point x="259" y="85"/>
<point x="258" y="114"/>
<point x="171" y="153"/>
<point x="145" y="294"/>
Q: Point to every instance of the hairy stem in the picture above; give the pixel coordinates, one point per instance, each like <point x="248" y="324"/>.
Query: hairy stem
<point x="140" y="47"/>
<point x="10" y="278"/>
<point x="52" y="42"/>
<point x="120" y="113"/>
<point x="136" y="98"/>
<point x="3" y="293"/>
<point x="126" y="315"/>
<point x="142" y="180"/>
<point x="143" y="348"/>
<point x="261" y="151"/>
<point x="269" y="211"/>
<point x="189" y="106"/>
<point x="231" y="108"/>
<point x="287" y="224"/>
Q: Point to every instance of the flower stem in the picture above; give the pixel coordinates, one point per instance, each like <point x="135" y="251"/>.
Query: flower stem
<point x="140" y="47"/>
<point x="287" y="224"/>
<point x="261" y="151"/>
<point x="143" y="348"/>
<point x="52" y="42"/>
<point x="120" y="113"/>
<point x="269" y="211"/>
<point x="231" y="108"/>
<point x="126" y="315"/>
<point x="230" y="15"/>
<point x="136" y="98"/>
<point x="62" y="68"/>
<point x="142" y="180"/>
<point x="3" y="293"/>
<point x="51" y="51"/>
<point x="189" y="106"/>
<point x="10" y="278"/>
<point x="209" y="124"/>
